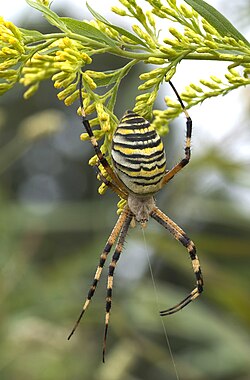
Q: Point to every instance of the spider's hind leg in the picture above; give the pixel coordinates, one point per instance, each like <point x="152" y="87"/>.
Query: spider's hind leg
<point x="181" y="236"/>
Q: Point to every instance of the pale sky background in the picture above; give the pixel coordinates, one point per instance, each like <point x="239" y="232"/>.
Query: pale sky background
<point x="215" y="118"/>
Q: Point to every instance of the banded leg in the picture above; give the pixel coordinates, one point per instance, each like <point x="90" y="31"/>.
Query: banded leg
<point x="111" y="185"/>
<point x="171" y="173"/>
<point x="111" y="240"/>
<point x="181" y="236"/>
<point x="118" y="183"/>
<point x="115" y="258"/>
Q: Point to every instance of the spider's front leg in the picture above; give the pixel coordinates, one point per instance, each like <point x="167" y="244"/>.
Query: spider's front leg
<point x="171" y="173"/>
<point x="112" y="266"/>
<point x="110" y="242"/>
<point x="116" y="184"/>
<point x="122" y="194"/>
<point x="181" y="236"/>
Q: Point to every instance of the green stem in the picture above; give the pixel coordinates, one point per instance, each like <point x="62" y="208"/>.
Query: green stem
<point x="123" y="73"/>
<point x="83" y="39"/>
<point x="55" y="36"/>
<point x="139" y="56"/>
<point x="189" y="55"/>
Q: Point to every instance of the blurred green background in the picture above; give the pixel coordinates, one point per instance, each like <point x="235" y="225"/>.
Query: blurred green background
<point x="53" y="227"/>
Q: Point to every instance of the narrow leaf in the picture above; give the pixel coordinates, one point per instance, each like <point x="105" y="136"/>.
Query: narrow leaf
<point x="29" y="34"/>
<point x="51" y="16"/>
<point x="84" y="29"/>
<point x="124" y="32"/>
<point x="120" y="30"/>
<point x="111" y="77"/>
<point x="97" y="15"/>
<point x="216" y="19"/>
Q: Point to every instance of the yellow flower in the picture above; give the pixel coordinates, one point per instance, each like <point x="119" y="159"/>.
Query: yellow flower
<point x="62" y="61"/>
<point x="11" y="51"/>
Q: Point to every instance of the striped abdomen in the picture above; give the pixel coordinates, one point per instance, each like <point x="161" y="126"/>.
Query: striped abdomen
<point x="138" y="154"/>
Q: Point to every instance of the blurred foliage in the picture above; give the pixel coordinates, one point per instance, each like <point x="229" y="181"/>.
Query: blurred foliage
<point x="51" y="239"/>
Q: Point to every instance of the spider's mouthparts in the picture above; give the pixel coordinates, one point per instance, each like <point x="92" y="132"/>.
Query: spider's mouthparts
<point x="143" y="223"/>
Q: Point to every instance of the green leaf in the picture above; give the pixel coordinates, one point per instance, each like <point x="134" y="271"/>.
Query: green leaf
<point x="97" y="15"/>
<point x="124" y="32"/>
<point x="84" y="29"/>
<point x="120" y="30"/>
<point x="111" y="77"/>
<point x="51" y="16"/>
<point x="216" y="19"/>
<point x="31" y="34"/>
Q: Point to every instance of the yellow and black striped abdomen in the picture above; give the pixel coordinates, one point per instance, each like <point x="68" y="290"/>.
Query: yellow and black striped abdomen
<point x="138" y="154"/>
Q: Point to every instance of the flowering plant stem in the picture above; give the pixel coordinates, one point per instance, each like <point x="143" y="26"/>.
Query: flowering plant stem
<point x="196" y="31"/>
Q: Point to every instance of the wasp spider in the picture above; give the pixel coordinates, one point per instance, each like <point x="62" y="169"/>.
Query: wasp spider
<point x="137" y="174"/>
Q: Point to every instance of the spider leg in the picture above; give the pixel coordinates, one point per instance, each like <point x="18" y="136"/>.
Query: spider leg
<point x="111" y="185"/>
<point x="171" y="173"/>
<point x="111" y="240"/>
<point x="115" y="258"/>
<point x="181" y="236"/>
<point x="118" y="183"/>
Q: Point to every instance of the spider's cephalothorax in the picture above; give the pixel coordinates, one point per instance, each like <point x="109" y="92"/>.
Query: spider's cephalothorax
<point x="138" y="172"/>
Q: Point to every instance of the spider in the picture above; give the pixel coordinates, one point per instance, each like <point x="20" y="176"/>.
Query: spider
<point x="138" y="172"/>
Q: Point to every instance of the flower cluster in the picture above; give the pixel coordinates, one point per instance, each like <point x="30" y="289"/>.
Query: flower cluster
<point x="12" y="50"/>
<point x="198" y="37"/>
<point x="61" y="61"/>
<point x="201" y="33"/>
<point x="197" y="93"/>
